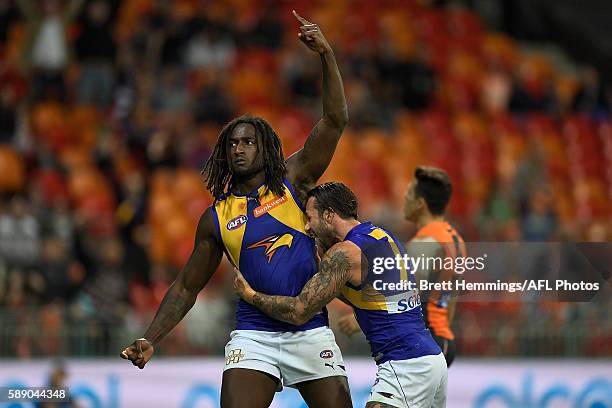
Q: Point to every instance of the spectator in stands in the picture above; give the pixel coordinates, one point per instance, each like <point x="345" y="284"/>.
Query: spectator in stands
<point x="366" y="111"/>
<point x="13" y="89"/>
<point x="58" y="221"/>
<point x="57" y="379"/>
<point x="209" y="48"/>
<point x="209" y="320"/>
<point x="591" y="96"/>
<point x="539" y="223"/>
<point x="47" y="50"/>
<point x="301" y="77"/>
<point x="532" y="91"/>
<point x="170" y="35"/>
<point x="214" y="104"/>
<point x="8" y="15"/>
<point x="131" y="218"/>
<point x="497" y="211"/>
<point x="171" y="93"/>
<point x="103" y="299"/>
<point x="62" y="276"/>
<point x="20" y="238"/>
<point x="267" y="32"/>
<point x="8" y="116"/>
<point x="413" y="79"/>
<point x="96" y="50"/>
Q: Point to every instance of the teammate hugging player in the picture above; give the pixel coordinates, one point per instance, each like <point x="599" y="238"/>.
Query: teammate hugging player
<point x="412" y="371"/>
<point x="257" y="219"/>
<point x="425" y="204"/>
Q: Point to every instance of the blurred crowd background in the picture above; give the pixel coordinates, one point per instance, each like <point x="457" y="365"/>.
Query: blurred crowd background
<point x="109" y="109"/>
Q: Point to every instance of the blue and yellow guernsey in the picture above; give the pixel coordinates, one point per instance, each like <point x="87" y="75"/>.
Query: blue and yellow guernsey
<point x="391" y="319"/>
<point x="263" y="235"/>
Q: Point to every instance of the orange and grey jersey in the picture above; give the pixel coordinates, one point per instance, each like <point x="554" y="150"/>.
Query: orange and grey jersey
<point x="263" y="235"/>
<point x="443" y="240"/>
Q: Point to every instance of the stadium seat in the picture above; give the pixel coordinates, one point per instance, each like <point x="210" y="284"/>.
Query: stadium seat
<point x="12" y="170"/>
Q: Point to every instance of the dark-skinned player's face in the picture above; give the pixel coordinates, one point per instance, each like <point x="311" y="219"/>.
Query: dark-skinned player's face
<point x="245" y="151"/>
<point x="317" y="226"/>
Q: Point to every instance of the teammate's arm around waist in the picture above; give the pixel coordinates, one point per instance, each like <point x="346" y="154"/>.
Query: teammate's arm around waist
<point x="340" y="264"/>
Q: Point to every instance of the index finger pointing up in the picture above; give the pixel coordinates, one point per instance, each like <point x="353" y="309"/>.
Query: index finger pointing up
<point x="301" y="19"/>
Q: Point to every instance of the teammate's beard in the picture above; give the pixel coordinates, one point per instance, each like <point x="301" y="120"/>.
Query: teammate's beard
<point x="326" y="237"/>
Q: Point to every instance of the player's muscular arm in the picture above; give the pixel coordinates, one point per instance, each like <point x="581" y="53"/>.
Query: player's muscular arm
<point x="337" y="267"/>
<point x="182" y="294"/>
<point x="306" y="166"/>
<point x="321" y="289"/>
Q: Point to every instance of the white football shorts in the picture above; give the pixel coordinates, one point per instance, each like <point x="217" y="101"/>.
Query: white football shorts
<point x="292" y="357"/>
<point x="414" y="383"/>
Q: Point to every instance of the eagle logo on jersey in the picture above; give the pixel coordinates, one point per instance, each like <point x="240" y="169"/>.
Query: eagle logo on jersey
<point x="272" y="243"/>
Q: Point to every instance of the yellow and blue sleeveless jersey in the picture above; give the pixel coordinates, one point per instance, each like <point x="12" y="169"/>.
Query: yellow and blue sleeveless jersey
<point x="263" y="235"/>
<point x="392" y="320"/>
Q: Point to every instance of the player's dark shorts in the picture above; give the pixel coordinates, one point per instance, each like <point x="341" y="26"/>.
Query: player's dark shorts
<point x="449" y="348"/>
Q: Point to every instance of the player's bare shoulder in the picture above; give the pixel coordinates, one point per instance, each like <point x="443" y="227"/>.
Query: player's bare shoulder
<point x="206" y="229"/>
<point x="346" y="248"/>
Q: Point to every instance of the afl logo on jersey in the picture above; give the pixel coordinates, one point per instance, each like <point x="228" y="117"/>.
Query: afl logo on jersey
<point x="236" y="223"/>
<point x="326" y="354"/>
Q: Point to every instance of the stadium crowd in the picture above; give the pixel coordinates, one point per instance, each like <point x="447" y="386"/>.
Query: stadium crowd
<point x="109" y="109"/>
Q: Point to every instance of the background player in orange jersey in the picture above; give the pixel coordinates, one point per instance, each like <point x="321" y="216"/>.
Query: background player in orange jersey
<point x="425" y="204"/>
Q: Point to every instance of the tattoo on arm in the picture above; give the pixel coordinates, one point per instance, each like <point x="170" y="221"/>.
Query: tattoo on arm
<point x="334" y="272"/>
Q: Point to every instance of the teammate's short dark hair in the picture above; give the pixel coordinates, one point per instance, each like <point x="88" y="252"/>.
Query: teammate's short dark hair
<point x="435" y="187"/>
<point x="337" y="197"/>
<point x="217" y="170"/>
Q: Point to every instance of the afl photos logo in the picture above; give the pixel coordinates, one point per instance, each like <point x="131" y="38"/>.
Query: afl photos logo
<point x="236" y="223"/>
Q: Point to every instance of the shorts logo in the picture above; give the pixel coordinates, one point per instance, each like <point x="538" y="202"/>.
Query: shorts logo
<point x="326" y="354"/>
<point x="236" y="223"/>
<point x="386" y="394"/>
<point x="264" y="208"/>
<point x="234" y="356"/>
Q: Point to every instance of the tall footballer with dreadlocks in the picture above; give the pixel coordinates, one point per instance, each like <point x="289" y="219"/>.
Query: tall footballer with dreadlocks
<point x="258" y="220"/>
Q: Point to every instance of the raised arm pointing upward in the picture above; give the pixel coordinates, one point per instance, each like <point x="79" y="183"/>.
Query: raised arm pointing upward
<point x="307" y="165"/>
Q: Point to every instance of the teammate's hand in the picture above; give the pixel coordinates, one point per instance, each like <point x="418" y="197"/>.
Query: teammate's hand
<point x="311" y="35"/>
<point x="348" y="325"/>
<point x="139" y="352"/>
<point x="242" y="287"/>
